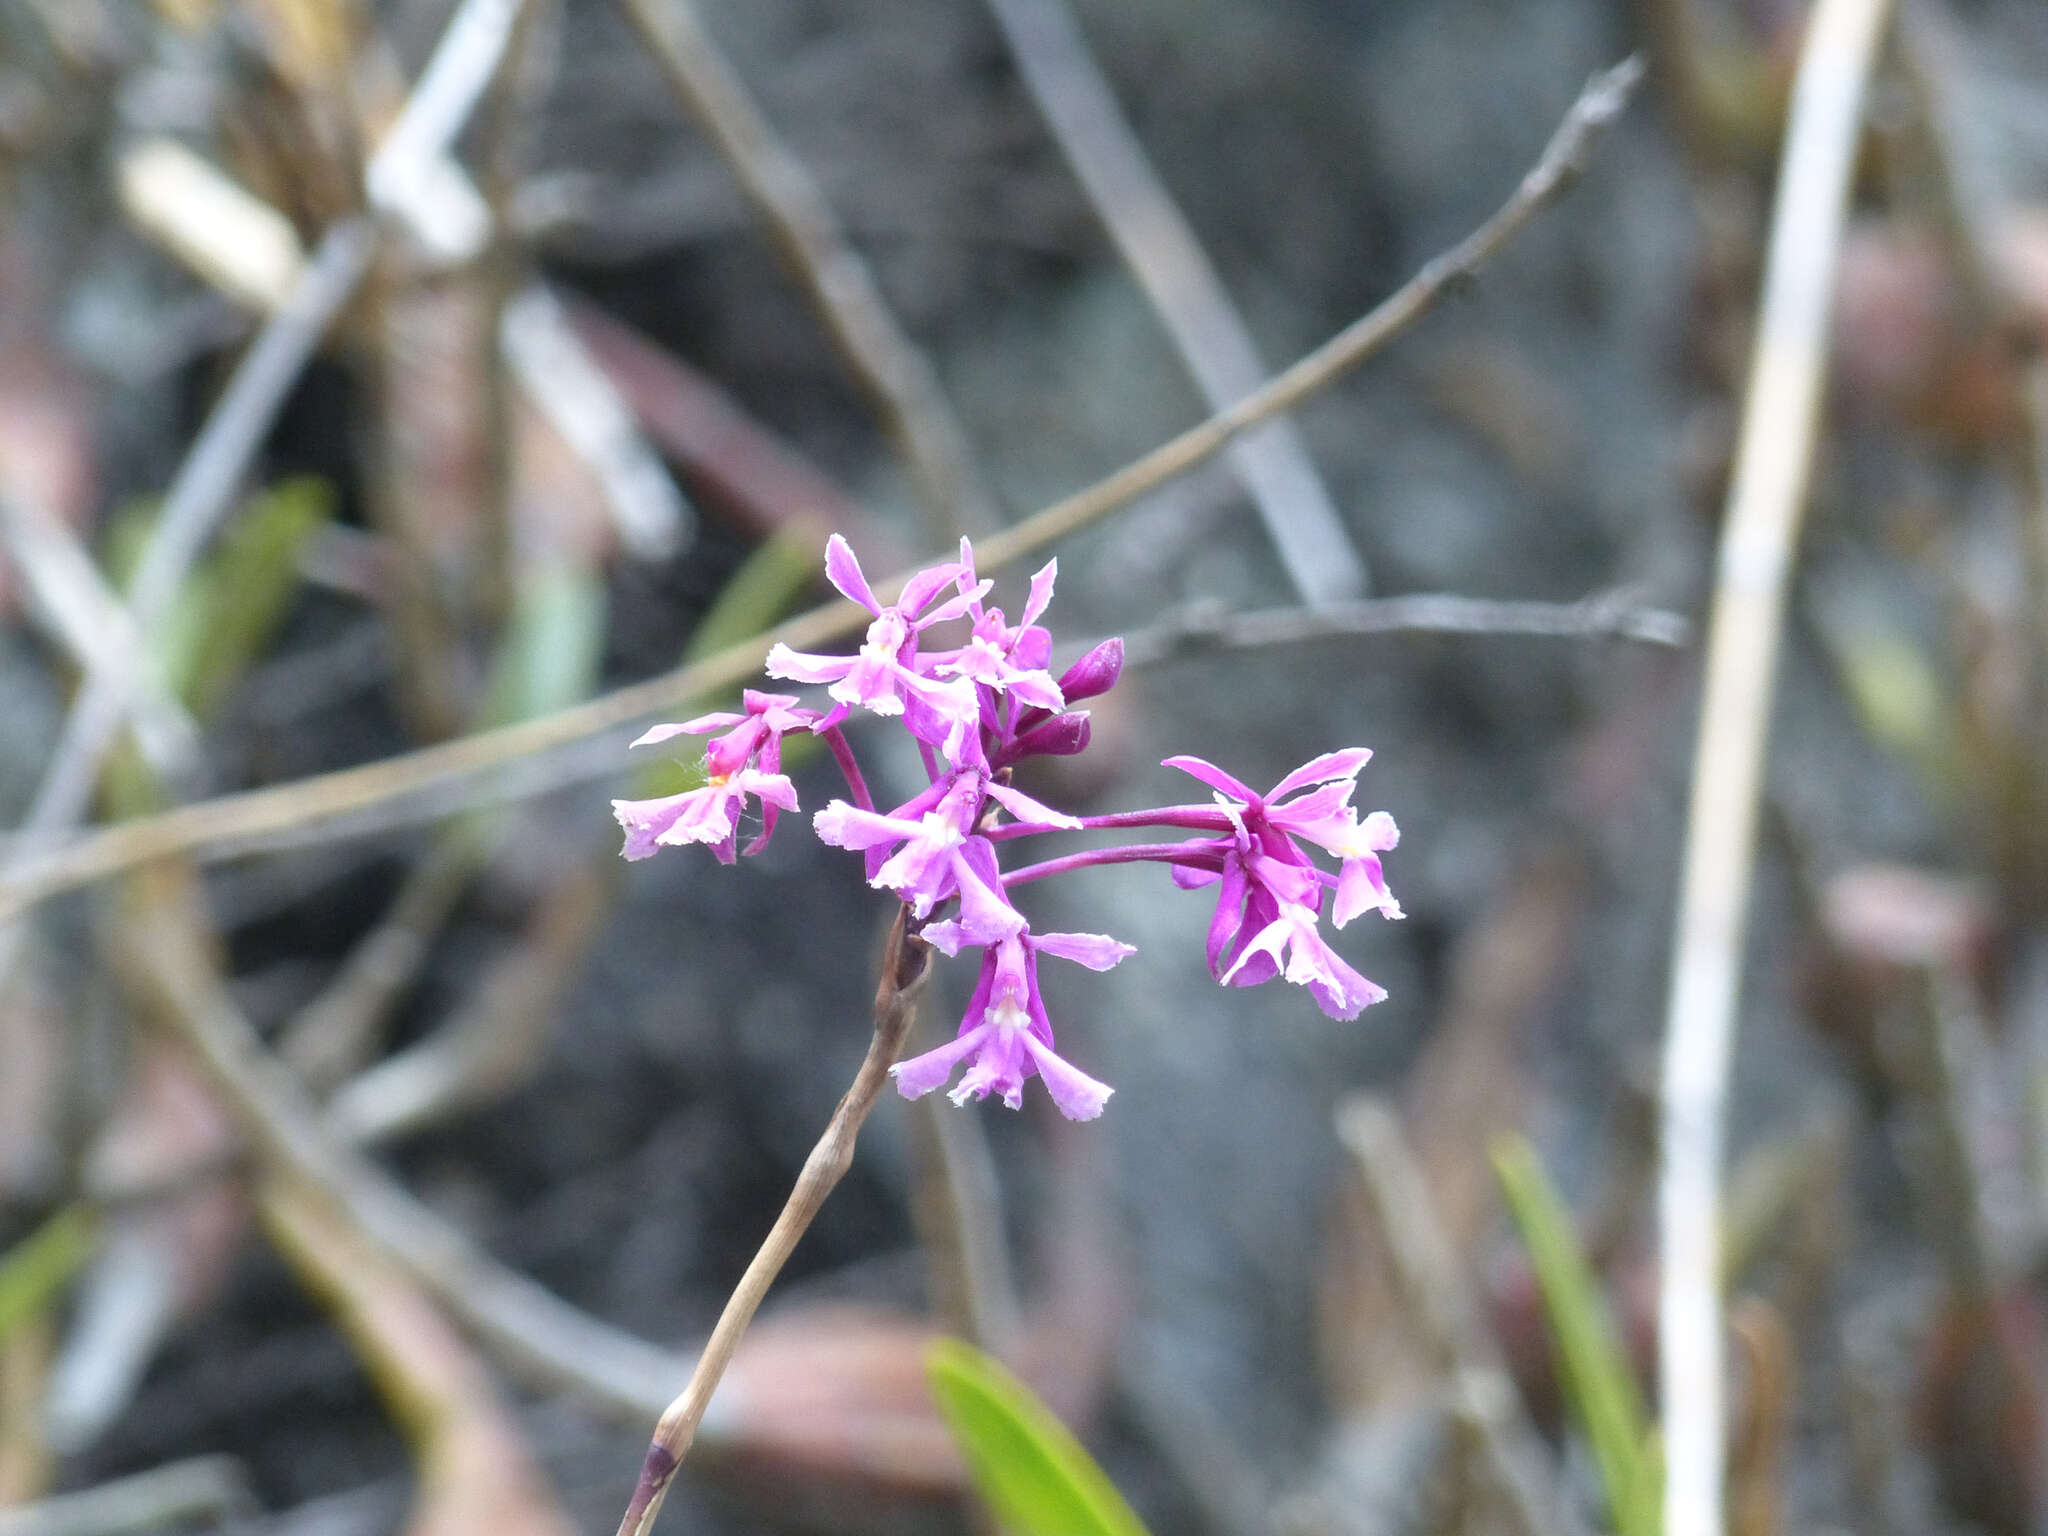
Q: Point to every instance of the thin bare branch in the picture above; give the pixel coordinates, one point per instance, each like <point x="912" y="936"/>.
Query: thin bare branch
<point x="412" y="175"/>
<point x="201" y="493"/>
<point x="333" y="1035"/>
<point x="87" y="618"/>
<point x="906" y="965"/>
<point x="204" y="1488"/>
<point x="896" y="374"/>
<point x="554" y="749"/>
<point x="1758" y="540"/>
<point x="1163" y="253"/>
<point x="525" y="1325"/>
<point x="1604" y="615"/>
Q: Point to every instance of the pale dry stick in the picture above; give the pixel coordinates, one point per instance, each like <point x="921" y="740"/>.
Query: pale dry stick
<point x="1604" y="615"/>
<point x="333" y="1035"/>
<point x="200" y="494"/>
<point x="897" y="376"/>
<point x="1164" y="255"/>
<point x="411" y="175"/>
<point x="906" y="966"/>
<point x="468" y="764"/>
<point x="1437" y="1301"/>
<point x="496" y="1039"/>
<point x="88" y="620"/>
<point x="206" y="1489"/>
<point x="1768" y="494"/>
<point x="526" y="1326"/>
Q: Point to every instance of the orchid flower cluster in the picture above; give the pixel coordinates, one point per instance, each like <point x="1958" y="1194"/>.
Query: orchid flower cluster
<point x="975" y="712"/>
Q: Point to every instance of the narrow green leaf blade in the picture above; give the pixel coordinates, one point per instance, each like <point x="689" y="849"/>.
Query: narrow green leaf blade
<point x="35" y="1269"/>
<point x="237" y="600"/>
<point x="1028" y="1466"/>
<point x="1597" y="1376"/>
<point x="548" y="656"/>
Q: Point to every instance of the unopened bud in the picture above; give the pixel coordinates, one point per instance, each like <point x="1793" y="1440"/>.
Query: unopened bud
<point x="1061" y="736"/>
<point x="1094" y="673"/>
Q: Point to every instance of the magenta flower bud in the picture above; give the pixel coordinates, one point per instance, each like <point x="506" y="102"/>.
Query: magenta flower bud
<point x="1061" y="736"/>
<point x="1095" y="672"/>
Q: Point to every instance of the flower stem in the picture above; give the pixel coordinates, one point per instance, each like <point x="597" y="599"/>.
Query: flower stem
<point x="1161" y="853"/>
<point x="906" y="963"/>
<point x="1202" y="818"/>
<point x="842" y="754"/>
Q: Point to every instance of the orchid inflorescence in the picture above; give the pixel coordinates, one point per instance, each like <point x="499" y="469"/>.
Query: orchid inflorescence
<point x="975" y="712"/>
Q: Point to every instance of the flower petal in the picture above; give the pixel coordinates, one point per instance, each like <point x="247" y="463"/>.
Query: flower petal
<point x="1041" y="593"/>
<point x="1024" y="808"/>
<point x="1001" y="1068"/>
<point x="921" y="1074"/>
<point x="985" y="911"/>
<point x="1229" y="914"/>
<point x="1097" y="951"/>
<point x="694" y="816"/>
<point x="926" y="585"/>
<point x="948" y="938"/>
<point x="1342" y="764"/>
<point x="1214" y="777"/>
<point x="772" y="787"/>
<point x="660" y="733"/>
<point x="1034" y="688"/>
<point x="1362" y="887"/>
<point x="952" y="607"/>
<point x="1268" y="941"/>
<point x="1076" y="1095"/>
<point x="842" y="569"/>
<point x="803" y="667"/>
<point x="848" y="826"/>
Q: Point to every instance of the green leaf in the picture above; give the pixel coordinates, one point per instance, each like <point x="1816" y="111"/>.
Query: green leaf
<point x="231" y="606"/>
<point x="1027" y="1465"/>
<point x="1598" y="1378"/>
<point x="757" y="594"/>
<point x="35" y="1269"/>
<point x="547" y="658"/>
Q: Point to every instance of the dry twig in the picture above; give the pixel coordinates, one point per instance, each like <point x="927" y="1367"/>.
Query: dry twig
<point x="1765" y="502"/>
<point x="1439" y="1305"/>
<point x="553" y="749"/>
<point x="906" y="965"/>
<point x="896" y="375"/>
<point x="1164" y="255"/>
<point x="476" y="1472"/>
<point x="203" y="1488"/>
<point x="1604" y="615"/>
<point x="87" y="618"/>
<point x="202" y="491"/>
<point x="525" y="1325"/>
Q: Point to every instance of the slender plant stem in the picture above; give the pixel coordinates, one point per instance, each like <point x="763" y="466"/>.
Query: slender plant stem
<point x="1135" y="853"/>
<point x="1773" y="463"/>
<point x="473" y="765"/>
<point x="906" y="964"/>
<point x="849" y="766"/>
<point x="1199" y="818"/>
